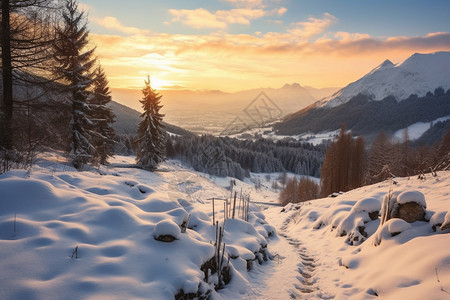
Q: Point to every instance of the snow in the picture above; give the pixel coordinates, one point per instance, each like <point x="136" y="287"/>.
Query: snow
<point x="167" y="227"/>
<point x="112" y="219"/>
<point x="412" y="196"/>
<point x="398" y="260"/>
<point x="419" y="74"/>
<point x="416" y="130"/>
<point x="268" y="133"/>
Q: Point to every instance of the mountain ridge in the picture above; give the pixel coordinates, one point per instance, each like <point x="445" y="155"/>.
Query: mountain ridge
<point x="419" y="74"/>
<point x="384" y="99"/>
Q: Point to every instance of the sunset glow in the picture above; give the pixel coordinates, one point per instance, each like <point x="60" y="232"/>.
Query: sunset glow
<point x="232" y="45"/>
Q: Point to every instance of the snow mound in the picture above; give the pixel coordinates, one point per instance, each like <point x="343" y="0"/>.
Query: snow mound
<point x="358" y="224"/>
<point x="390" y="229"/>
<point x="166" y="231"/>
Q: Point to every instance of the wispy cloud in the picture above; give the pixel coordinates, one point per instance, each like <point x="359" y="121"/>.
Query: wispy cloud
<point x="312" y="27"/>
<point x="281" y="11"/>
<point x="114" y="24"/>
<point x="197" y="18"/>
<point x="202" y="18"/>
<point x="84" y="7"/>
<point x="245" y="3"/>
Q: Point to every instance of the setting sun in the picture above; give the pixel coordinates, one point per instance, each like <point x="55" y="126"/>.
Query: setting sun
<point x="158" y="84"/>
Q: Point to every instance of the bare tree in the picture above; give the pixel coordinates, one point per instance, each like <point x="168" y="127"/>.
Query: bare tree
<point x="343" y="167"/>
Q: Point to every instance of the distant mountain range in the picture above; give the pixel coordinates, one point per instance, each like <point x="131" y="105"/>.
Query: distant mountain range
<point x="389" y="98"/>
<point x="211" y="111"/>
<point x="289" y="97"/>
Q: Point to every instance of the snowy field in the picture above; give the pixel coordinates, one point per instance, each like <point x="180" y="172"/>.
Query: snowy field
<point x="416" y="130"/>
<point x="115" y="215"/>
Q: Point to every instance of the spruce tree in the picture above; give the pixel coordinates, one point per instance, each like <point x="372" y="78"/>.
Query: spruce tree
<point x="102" y="117"/>
<point x="150" y="141"/>
<point x="74" y="64"/>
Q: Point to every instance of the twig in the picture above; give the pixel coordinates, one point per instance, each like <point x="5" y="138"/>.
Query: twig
<point x="437" y="277"/>
<point x="214" y="218"/>
<point x="75" y="253"/>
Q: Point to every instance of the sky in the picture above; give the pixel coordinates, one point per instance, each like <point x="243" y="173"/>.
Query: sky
<point x="233" y="45"/>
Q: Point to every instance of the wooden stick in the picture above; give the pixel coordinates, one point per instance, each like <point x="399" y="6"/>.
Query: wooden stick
<point x="214" y="218"/>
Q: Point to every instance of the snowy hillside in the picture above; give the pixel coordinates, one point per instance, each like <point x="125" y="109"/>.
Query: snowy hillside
<point x="81" y="235"/>
<point x="418" y="75"/>
<point x="120" y="219"/>
<point x="398" y="260"/>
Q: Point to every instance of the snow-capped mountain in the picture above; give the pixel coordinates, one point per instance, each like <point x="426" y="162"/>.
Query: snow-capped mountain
<point x="389" y="98"/>
<point x="418" y="75"/>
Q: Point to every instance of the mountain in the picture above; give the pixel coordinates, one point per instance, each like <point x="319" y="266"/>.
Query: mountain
<point x="127" y="120"/>
<point x="211" y="111"/>
<point x="388" y="98"/>
<point x="290" y="98"/>
<point x="321" y="92"/>
<point x="418" y="75"/>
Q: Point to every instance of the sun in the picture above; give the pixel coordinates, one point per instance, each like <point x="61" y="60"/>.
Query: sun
<point x="158" y="83"/>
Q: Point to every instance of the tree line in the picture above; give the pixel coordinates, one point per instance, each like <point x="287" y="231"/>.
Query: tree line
<point x="225" y="156"/>
<point x="55" y="93"/>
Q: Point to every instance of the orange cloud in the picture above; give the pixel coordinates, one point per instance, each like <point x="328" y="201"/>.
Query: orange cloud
<point x="235" y="61"/>
<point x="240" y="15"/>
<point x="281" y="11"/>
<point x="197" y="18"/>
<point x="312" y="27"/>
<point x="202" y="18"/>
<point x="113" y="23"/>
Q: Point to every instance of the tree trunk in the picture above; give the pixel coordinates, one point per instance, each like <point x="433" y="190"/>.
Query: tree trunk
<point x="7" y="103"/>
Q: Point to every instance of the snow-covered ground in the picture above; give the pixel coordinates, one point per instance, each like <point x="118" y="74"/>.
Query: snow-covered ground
<point x="114" y="214"/>
<point x="268" y="133"/>
<point x="416" y="130"/>
<point x="414" y="263"/>
<point x="93" y="235"/>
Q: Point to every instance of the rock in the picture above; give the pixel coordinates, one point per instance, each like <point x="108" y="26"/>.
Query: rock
<point x="165" y="238"/>
<point x="446" y="224"/>
<point x="166" y="231"/>
<point x="410" y="212"/>
<point x="374" y="215"/>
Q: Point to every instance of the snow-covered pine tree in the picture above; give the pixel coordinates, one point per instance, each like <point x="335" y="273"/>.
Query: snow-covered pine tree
<point x="151" y="139"/>
<point x="74" y="64"/>
<point x="102" y="116"/>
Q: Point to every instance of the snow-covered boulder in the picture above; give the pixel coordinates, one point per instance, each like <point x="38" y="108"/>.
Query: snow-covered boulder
<point x="354" y="224"/>
<point x="411" y="206"/>
<point x="407" y="205"/>
<point x="446" y="224"/>
<point x="437" y="219"/>
<point x="166" y="231"/>
<point x="390" y="229"/>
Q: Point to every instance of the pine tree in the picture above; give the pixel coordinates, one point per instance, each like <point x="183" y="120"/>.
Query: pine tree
<point x="151" y="140"/>
<point x="74" y="69"/>
<point x="102" y="116"/>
